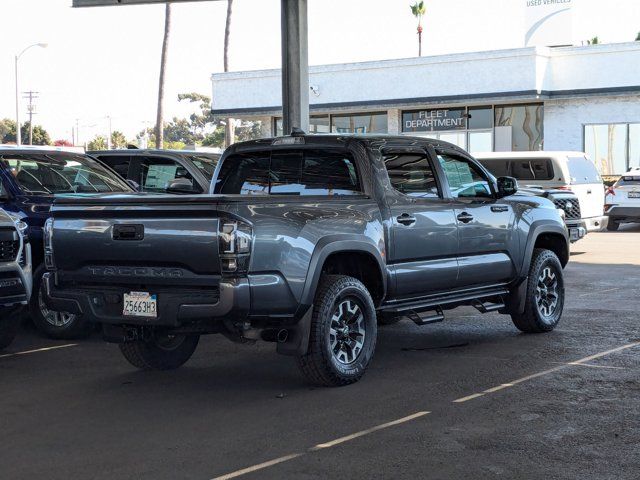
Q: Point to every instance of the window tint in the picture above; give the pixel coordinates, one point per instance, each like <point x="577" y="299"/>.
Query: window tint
<point x="582" y="170"/>
<point x="533" y="169"/>
<point x="245" y="174"/>
<point x="289" y="173"/>
<point x="206" y="164"/>
<point x="157" y="173"/>
<point x="464" y="179"/>
<point x="120" y="163"/>
<point x="499" y="168"/>
<point x="62" y="173"/>
<point x="412" y="175"/>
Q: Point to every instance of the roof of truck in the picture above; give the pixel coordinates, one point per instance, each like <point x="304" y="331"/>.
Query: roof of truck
<point x="526" y="155"/>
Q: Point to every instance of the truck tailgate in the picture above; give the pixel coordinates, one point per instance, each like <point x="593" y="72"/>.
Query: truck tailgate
<point x="136" y="240"/>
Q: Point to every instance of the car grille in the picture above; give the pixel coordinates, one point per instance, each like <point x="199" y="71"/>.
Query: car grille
<point x="9" y="250"/>
<point x="570" y="213"/>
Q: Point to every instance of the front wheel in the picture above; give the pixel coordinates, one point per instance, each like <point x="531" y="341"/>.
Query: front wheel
<point x="343" y="333"/>
<point x="9" y="325"/>
<point x="544" y="296"/>
<point x="161" y="352"/>
<point x="58" y="325"/>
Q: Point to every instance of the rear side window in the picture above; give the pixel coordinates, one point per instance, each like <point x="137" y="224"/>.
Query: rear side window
<point x="582" y="170"/>
<point x="499" y="168"/>
<point x="308" y="172"/>
<point x="412" y="175"/>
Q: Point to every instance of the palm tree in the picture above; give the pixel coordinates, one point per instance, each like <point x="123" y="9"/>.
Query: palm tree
<point x="418" y="9"/>
<point x="163" y="68"/>
<point x="228" y="131"/>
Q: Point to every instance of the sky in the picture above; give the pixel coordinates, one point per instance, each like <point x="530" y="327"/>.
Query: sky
<point x="104" y="62"/>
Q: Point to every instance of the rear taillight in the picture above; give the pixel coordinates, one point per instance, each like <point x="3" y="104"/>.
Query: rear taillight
<point x="49" y="261"/>
<point x="234" y="246"/>
<point x="566" y="188"/>
<point x="610" y="191"/>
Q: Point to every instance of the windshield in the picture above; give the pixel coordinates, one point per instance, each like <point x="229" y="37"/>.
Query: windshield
<point x="206" y="164"/>
<point x="55" y="173"/>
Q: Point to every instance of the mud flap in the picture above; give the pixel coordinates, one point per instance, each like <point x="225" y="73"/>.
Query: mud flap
<point x="298" y="338"/>
<point x="516" y="300"/>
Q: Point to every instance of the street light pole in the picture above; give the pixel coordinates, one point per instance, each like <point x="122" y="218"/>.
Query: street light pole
<point x="16" y="58"/>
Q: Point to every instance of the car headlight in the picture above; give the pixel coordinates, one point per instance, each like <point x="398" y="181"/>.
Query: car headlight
<point x="20" y="224"/>
<point x="562" y="213"/>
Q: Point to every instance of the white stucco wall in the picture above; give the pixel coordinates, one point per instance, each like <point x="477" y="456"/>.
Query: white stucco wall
<point x="564" y="119"/>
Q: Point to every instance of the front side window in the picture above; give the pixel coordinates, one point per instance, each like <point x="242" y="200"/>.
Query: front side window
<point x="120" y="163"/>
<point x="58" y="173"/>
<point x="206" y="164"/>
<point x="465" y="180"/>
<point x="156" y="174"/>
<point x="412" y="175"/>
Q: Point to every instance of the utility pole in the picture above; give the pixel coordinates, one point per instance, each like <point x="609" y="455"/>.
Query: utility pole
<point x="31" y="109"/>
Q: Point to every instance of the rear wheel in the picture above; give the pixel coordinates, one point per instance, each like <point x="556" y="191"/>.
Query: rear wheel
<point x="343" y="333"/>
<point x="161" y="351"/>
<point x="9" y="325"/>
<point x="544" y="296"/>
<point x="613" y="225"/>
<point x="59" y="325"/>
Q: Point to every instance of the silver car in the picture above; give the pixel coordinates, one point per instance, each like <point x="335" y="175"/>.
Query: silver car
<point x="15" y="275"/>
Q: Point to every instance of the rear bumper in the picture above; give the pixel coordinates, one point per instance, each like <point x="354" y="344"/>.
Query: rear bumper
<point x="624" y="214"/>
<point x="229" y="300"/>
<point x="595" y="224"/>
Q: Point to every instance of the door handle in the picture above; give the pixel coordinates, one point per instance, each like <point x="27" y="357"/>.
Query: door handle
<point x="465" y="217"/>
<point x="499" y="208"/>
<point x="406" y="219"/>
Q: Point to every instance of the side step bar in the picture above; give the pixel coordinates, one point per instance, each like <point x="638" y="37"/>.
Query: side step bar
<point x="469" y="298"/>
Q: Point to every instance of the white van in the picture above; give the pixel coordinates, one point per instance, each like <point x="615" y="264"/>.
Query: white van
<point x="560" y="170"/>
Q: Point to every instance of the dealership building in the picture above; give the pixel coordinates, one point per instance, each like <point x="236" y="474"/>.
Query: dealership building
<point x="584" y="98"/>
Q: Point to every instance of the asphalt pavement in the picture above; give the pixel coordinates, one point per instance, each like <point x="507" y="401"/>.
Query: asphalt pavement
<point x="470" y="397"/>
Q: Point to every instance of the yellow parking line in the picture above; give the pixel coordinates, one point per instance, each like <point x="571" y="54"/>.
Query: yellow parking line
<point x="45" y="349"/>
<point x="321" y="446"/>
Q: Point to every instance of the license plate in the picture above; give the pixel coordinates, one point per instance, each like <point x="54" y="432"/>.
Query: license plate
<point x="634" y="194"/>
<point x="140" y="304"/>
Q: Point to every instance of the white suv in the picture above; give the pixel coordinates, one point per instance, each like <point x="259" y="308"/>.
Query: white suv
<point x="623" y="200"/>
<point x="572" y="171"/>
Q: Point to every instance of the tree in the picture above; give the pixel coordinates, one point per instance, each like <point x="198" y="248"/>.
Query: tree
<point x="118" y="140"/>
<point x="638" y="37"/>
<point x="418" y="9"/>
<point x="593" y="41"/>
<point x="163" y="68"/>
<point x="99" y="142"/>
<point x="229" y="133"/>
<point x="7" y="131"/>
<point x="40" y="135"/>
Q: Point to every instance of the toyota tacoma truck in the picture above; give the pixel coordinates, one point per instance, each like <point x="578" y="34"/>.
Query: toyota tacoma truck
<point x="15" y="275"/>
<point x="308" y="242"/>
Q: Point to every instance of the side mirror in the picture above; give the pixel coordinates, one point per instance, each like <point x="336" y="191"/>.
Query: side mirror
<point x="134" y="185"/>
<point x="507" y="186"/>
<point x="180" y="185"/>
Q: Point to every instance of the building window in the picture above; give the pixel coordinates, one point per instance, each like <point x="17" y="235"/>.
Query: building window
<point x="317" y="124"/>
<point x="521" y="126"/>
<point x="360" y="123"/>
<point x="614" y="148"/>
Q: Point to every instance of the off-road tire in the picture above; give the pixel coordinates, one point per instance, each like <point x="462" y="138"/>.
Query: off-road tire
<point x="150" y="355"/>
<point x="532" y="320"/>
<point x="10" y="320"/>
<point x="319" y="365"/>
<point x="76" y="328"/>
<point x="613" y="225"/>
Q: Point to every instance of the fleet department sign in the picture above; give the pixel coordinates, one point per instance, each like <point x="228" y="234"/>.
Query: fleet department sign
<point x="435" y="120"/>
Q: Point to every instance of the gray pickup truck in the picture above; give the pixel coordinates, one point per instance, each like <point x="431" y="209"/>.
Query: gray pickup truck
<point x="308" y="242"/>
